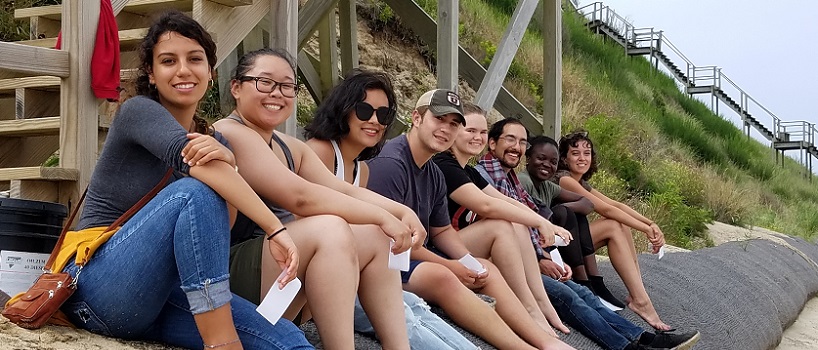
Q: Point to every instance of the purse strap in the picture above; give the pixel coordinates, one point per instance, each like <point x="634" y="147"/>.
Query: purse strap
<point x="124" y="217"/>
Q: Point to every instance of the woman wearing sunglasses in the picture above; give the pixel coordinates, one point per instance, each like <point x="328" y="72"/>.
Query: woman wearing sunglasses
<point x="289" y="176"/>
<point x="349" y="128"/>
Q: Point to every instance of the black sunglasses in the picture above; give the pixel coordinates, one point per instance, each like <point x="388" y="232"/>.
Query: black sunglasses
<point x="364" y="112"/>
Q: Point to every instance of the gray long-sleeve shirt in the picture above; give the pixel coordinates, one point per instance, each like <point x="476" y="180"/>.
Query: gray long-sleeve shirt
<point x="143" y="141"/>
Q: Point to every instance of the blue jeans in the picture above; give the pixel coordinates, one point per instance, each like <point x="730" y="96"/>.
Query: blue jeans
<point x="167" y="263"/>
<point x="426" y="330"/>
<point x="581" y="309"/>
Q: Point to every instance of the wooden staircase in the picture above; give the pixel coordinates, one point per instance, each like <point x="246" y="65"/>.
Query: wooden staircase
<point x="46" y="104"/>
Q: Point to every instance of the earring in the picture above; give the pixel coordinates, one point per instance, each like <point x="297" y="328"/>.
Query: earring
<point x="210" y="83"/>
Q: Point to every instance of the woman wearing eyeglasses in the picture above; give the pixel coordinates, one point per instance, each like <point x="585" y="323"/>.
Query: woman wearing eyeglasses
<point x="348" y="128"/>
<point x="576" y="166"/>
<point x="289" y="176"/>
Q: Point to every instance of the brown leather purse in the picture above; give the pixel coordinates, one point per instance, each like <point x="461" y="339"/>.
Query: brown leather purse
<point x="35" y="307"/>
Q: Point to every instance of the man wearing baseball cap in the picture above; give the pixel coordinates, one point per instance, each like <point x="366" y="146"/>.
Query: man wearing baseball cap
<point x="402" y="172"/>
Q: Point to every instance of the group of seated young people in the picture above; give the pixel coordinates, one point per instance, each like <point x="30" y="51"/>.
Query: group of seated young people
<point x="250" y="208"/>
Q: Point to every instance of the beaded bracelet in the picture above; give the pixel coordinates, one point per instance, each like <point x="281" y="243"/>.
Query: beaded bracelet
<point x="275" y="233"/>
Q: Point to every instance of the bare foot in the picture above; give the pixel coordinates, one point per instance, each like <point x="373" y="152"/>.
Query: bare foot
<point x="646" y="311"/>
<point x="555" y="322"/>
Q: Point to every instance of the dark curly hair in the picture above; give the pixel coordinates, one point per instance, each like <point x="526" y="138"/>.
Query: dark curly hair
<point x="172" y="21"/>
<point x="539" y="140"/>
<point x="572" y="140"/>
<point x="331" y="120"/>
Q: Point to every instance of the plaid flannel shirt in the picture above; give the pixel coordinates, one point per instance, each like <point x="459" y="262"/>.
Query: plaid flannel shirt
<point x="489" y="167"/>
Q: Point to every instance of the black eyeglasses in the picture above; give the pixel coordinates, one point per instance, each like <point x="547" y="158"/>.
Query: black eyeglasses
<point x="267" y="85"/>
<point x="364" y="112"/>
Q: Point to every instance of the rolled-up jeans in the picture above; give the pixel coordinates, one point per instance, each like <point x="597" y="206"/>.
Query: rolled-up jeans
<point x="426" y="329"/>
<point x="581" y="309"/>
<point x="166" y="264"/>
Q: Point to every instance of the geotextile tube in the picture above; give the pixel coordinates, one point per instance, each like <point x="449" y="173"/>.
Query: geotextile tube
<point x="739" y="295"/>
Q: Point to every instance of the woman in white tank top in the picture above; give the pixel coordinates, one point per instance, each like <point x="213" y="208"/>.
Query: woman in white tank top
<point x="349" y="127"/>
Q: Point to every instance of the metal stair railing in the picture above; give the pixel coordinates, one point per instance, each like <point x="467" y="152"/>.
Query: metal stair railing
<point x="704" y="78"/>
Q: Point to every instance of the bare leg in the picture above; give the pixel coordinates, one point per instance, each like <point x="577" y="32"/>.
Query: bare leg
<point x="512" y="311"/>
<point x="437" y="285"/>
<point x="380" y="289"/>
<point x="495" y="239"/>
<point x="534" y="278"/>
<point x="216" y="327"/>
<point x="329" y="269"/>
<point x="622" y="252"/>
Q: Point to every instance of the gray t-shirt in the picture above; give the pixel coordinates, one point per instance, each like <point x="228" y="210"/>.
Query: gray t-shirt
<point x="394" y="175"/>
<point x="143" y="141"/>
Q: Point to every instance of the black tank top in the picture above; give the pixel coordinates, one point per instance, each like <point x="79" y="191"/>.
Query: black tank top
<point x="244" y="228"/>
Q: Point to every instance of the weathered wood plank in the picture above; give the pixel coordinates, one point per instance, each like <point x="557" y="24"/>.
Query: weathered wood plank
<point x="448" y="20"/>
<point x="37" y="190"/>
<point x="285" y="23"/>
<point x="552" y="68"/>
<point x="310" y="76"/>
<point x="328" y="48"/>
<point x="348" y="32"/>
<point x="29" y="82"/>
<point x="30" y="60"/>
<point x="228" y="25"/>
<point x="506" y="50"/>
<point x="310" y="16"/>
<point x="126" y="37"/>
<point x="39" y="173"/>
<point x="78" y="106"/>
<point x="29" y="127"/>
<point x="143" y="7"/>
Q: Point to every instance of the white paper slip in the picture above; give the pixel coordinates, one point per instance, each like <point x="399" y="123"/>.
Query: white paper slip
<point x="277" y="300"/>
<point x="610" y="306"/>
<point x="559" y="242"/>
<point x="557" y="259"/>
<point x="398" y="261"/>
<point x="472" y="264"/>
<point x="661" y="252"/>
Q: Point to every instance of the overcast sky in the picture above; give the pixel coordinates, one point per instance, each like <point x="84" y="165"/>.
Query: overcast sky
<point x="767" y="47"/>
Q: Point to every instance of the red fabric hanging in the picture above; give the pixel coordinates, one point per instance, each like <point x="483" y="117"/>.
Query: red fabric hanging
<point x="105" y="59"/>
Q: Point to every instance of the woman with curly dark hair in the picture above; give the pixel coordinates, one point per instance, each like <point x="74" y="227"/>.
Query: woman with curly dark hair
<point x="164" y="275"/>
<point x="576" y="166"/>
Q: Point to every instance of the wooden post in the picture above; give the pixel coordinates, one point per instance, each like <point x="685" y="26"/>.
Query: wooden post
<point x="254" y="40"/>
<point x="284" y="34"/>
<point x="552" y="68"/>
<point x="505" y="54"/>
<point x="310" y="15"/>
<point x="328" y="48"/>
<point x="78" y="106"/>
<point x="448" y="19"/>
<point x="223" y="76"/>
<point x="348" y="20"/>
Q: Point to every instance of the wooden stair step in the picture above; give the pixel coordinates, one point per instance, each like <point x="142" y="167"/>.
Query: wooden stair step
<point x="140" y="7"/>
<point x="23" y="60"/>
<point x="126" y="37"/>
<point x="28" y="82"/>
<point x="30" y="127"/>
<point x="38" y="173"/>
<point x="49" y="82"/>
